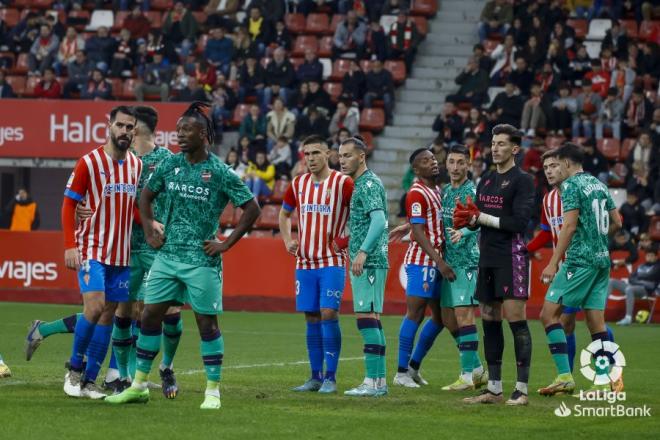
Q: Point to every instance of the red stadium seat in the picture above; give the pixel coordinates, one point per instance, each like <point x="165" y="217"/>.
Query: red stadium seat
<point x="240" y="112"/>
<point x="21" y="66"/>
<point x="626" y="148"/>
<point x="649" y="30"/>
<point x="317" y="24"/>
<point x="295" y="23"/>
<point x="336" y="19"/>
<point x="161" y="5"/>
<point x="422" y="24"/>
<point x="269" y="218"/>
<point x="279" y="189"/>
<point x="339" y="68"/>
<point x="38" y="4"/>
<point x="654" y="228"/>
<point x="303" y="43"/>
<point x="325" y="47"/>
<point x="17" y="83"/>
<point x="227" y="217"/>
<point x="368" y="140"/>
<point x="398" y="70"/>
<point x="631" y="28"/>
<point x="579" y="26"/>
<point x="80" y="16"/>
<point x="155" y="17"/>
<point x="10" y="16"/>
<point x="128" y="89"/>
<point x="427" y="8"/>
<point x="334" y="90"/>
<point x="372" y="119"/>
<point x="610" y="147"/>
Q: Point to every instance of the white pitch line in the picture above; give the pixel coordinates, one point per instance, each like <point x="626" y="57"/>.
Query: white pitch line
<point x="273" y="364"/>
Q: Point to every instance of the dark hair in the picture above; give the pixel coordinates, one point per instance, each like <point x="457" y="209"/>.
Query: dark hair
<point x="459" y="149"/>
<point x="196" y="111"/>
<point x="553" y="153"/>
<point x="121" y="109"/>
<point x="586" y="82"/>
<point x="478" y="46"/>
<point x="283" y="139"/>
<point x="344" y="130"/>
<point x="314" y="139"/>
<point x="357" y="141"/>
<point x="612" y="91"/>
<point x="147" y="115"/>
<point x="515" y="136"/>
<point x="572" y="152"/>
<point x="416" y="153"/>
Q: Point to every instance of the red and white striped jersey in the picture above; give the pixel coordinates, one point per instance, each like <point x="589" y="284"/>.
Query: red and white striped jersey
<point x="552" y="215"/>
<point x="322" y="215"/>
<point x="109" y="186"/>
<point x="424" y="206"/>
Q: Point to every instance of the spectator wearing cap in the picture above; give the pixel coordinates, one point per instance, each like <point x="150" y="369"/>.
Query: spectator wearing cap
<point x="380" y="85"/>
<point x="43" y="51"/>
<point x="219" y="50"/>
<point x="403" y="40"/>
<point x="496" y="18"/>
<point x="345" y="116"/>
<point x="251" y="80"/>
<point x="588" y="106"/>
<point x="610" y="115"/>
<point x="156" y="79"/>
<point x="48" y="87"/>
<point x="181" y="28"/>
<point x="350" y="37"/>
<point x="311" y="69"/>
<point x="643" y="282"/>
<point x="280" y="79"/>
<point x="136" y="22"/>
<point x="98" y="87"/>
<point x="563" y="111"/>
<point x="100" y="47"/>
<point x="473" y="84"/>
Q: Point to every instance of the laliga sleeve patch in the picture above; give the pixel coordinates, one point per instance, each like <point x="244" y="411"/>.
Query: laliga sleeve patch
<point x="416" y="209"/>
<point x="70" y="181"/>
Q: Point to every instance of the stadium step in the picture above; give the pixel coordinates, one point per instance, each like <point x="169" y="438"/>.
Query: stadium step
<point x="452" y="38"/>
<point x="448" y="49"/>
<point x="392" y="143"/>
<point x="408" y="131"/>
<point x="423" y="119"/>
<point x="422" y="96"/>
<point x="418" y="108"/>
<point x="458" y="16"/>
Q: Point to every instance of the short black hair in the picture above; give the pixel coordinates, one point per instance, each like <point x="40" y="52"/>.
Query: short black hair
<point x="147" y="115"/>
<point x="314" y="139"/>
<point x="459" y="149"/>
<point x="515" y="135"/>
<point x="416" y="153"/>
<point x="196" y="110"/>
<point x="572" y="152"/>
<point x="121" y="109"/>
<point x="357" y="141"/>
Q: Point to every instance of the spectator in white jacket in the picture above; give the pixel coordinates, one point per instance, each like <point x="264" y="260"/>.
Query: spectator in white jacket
<point x="504" y="56"/>
<point x="281" y="157"/>
<point x="279" y="122"/>
<point x="345" y="117"/>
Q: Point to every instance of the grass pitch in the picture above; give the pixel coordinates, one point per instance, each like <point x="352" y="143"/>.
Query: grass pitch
<point x="265" y="356"/>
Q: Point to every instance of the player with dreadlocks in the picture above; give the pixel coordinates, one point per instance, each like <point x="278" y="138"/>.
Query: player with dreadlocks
<point x="188" y="268"/>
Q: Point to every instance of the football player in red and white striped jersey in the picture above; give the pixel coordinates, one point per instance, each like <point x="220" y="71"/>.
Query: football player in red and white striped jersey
<point x="99" y="246"/>
<point x="424" y="262"/>
<point x="321" y="198"/>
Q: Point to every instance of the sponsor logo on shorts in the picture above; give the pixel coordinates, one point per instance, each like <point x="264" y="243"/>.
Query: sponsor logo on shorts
<point x="371" y="279"/>
<point x="333" y="294"/>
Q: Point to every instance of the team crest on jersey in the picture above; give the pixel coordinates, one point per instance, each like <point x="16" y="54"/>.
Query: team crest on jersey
<point x="505" y="184"/>
<point x="206" y="176"/>
<point x="328" y="196"/>
<point x="425" y="286"/>
<point x="416" y="209"/>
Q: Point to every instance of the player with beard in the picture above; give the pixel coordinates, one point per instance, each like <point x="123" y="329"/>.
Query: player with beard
<point x="505" y="200"/>
<point x="98" y="248"/>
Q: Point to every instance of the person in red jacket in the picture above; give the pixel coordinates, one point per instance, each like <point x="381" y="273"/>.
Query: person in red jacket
<point x="48" y="87"/>
<point x="137" y="23"/>
<point x="600" y="79"/>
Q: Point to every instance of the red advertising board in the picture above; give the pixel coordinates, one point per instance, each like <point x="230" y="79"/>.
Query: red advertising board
<point x="258" y="274"/>
<point x="68" y="129"/>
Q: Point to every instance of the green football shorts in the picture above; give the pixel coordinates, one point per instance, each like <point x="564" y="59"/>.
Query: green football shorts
<point x="460" y="292"/>
<point x="181" y="283"/>
<point x="584" y="287"/>
<point x="140" y="265"/>
<point x="369" y="290"/>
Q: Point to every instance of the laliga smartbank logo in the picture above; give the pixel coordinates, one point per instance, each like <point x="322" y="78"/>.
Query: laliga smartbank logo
<point x="602" y="364"/>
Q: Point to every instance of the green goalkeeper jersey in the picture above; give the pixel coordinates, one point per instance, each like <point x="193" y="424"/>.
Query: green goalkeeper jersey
<point x="196" y="195"/>
<point x="149" y="163"/>
<point x="465" y="253"/>
<point x="588" y="247"/>
<point x="368" y="195"/>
